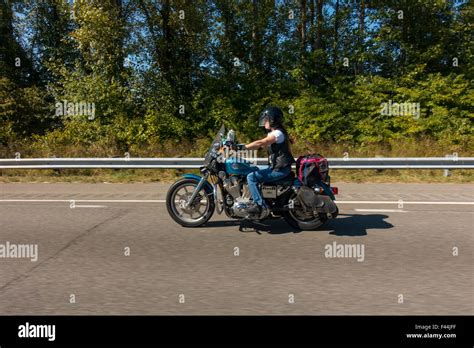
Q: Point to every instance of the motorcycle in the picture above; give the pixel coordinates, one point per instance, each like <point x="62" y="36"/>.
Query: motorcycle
<point x="192" y="200"/>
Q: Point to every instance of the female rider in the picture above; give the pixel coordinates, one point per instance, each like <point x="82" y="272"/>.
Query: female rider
<point x="280" y="156"/>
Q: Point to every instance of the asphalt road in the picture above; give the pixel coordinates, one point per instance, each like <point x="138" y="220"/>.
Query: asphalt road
<point x="408" y="252"/>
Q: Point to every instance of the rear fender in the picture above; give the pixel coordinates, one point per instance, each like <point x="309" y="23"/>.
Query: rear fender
<point x="327" y="190"/>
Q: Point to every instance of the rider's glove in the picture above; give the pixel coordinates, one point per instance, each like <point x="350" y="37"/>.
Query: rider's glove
<point x="240" y="147"/>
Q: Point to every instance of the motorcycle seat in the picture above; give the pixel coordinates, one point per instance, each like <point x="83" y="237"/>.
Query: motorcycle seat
<point x="286" y="181"/>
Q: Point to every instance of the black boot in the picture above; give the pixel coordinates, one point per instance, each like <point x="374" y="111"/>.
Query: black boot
<point x="254" y="209"/>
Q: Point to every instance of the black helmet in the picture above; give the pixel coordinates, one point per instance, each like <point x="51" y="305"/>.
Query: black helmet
<point x="273" y="114"/>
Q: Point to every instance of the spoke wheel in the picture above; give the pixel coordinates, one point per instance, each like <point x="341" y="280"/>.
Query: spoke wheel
<point x="184" y="212"/>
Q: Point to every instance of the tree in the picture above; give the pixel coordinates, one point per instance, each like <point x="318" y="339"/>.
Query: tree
<point x="15" y="63"/>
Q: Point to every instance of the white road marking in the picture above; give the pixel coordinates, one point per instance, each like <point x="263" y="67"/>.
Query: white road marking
<point x="404" y="202"/>
<point x="382" y="210"/>
<point x="163" y="201"/>
<point x="88" y="200"/>
<point x="89" y="206"/>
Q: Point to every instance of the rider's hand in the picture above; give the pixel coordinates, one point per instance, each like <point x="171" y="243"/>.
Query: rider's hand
<point x="240" y="147"/>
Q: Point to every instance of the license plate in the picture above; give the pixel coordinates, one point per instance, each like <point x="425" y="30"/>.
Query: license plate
<point x="269" y="192"/>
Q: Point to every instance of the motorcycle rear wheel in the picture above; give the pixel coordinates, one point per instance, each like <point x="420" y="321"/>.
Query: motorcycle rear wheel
<point x="305" y="221"/>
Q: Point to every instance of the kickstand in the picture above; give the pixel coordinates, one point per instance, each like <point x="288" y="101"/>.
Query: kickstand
<point x="248" y="225"/>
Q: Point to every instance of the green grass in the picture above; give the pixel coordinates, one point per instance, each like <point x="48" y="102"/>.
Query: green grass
<point x="169" y="175"/>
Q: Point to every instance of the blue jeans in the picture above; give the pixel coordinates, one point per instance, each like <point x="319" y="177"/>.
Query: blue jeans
<point x="262" y="176"/>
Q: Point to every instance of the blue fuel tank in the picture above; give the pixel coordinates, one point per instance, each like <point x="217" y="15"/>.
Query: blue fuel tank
<point x="239" y="166"/>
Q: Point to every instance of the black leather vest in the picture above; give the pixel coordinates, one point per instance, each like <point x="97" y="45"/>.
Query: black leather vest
<point x="279" y="155"/>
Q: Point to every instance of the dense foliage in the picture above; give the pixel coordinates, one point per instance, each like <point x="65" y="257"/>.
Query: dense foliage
<point x="152" y="71"/>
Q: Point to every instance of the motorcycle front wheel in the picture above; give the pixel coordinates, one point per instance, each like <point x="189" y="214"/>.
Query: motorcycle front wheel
<point x="197" y="212"/>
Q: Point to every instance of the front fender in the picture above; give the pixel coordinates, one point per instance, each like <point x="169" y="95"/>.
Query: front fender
<point x="207" y="185"/>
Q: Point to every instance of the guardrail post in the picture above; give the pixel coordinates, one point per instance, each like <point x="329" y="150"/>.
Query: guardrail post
<point x="446" y="171"/>
<point x="379" y="170"/>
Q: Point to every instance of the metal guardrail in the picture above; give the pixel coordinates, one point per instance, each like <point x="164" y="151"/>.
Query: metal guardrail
<point x="193" y="163"/>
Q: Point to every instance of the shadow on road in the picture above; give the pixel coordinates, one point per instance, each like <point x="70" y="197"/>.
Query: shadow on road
<point x="356" y="224"/>
<point x="275" y="226"/>
<point x="344" y="225"/>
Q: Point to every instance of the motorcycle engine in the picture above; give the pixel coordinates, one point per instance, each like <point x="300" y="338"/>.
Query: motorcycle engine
<point x="238" y="198"/>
